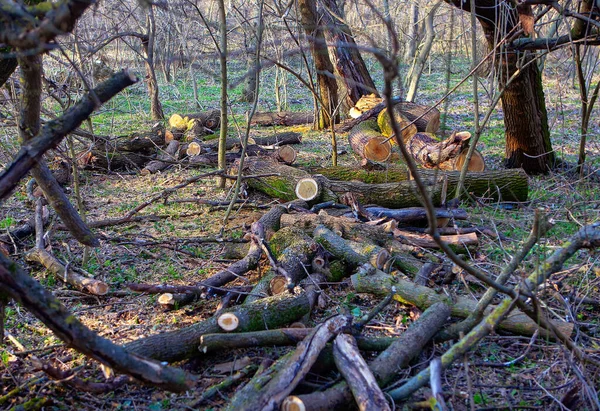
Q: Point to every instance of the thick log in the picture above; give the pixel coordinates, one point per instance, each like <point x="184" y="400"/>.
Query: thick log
<point x="282" y="118"/>
<point x="215" y="343"/>
<point x="285" y="154"/>
<point x="296" y="367"/>
<point x="497" y="185"/>
<point x="65" y="274"/>
<point x="164" y="160"/>
<point x="425" y="118"/>
<point x="279" y="139"/>
<point x="366" y="141"/>
<point x="142" y="142"/>
<point x="358" y="376"/>
<point x="353" y="253"/>
<point x="379" y="283"/>
<point x="387" y="365"/>
<point x="283" y="185"/>
<point x="270" y="312"/>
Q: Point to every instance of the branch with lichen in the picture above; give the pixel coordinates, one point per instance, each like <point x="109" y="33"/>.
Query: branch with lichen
<point x="587" y="237"/>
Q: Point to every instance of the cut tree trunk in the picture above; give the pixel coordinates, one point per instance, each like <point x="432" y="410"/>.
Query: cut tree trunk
<point x="497" y="185"/>
<point x="164" y="160"/>
<point x="65" y="274"/>
<point x="270" y="312"/>
<point x="368" y="143"/>
<point x="428" y="117"/>
<point x="354" y="369"/>
<point x="282" y="118"/>
<point x="376" y="282"/>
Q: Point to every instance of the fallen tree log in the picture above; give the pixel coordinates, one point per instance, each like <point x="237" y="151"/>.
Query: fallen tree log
<point x="498" y="185"/>
<point x="370" y="280"/>
<point x="283" y="185"/>
<point x="272" y="394"/>
<point x="368" y="143"/>
<point x="358" y="376"/>
<point x="164" y="160"/>
<point x="353" y="253"/>
<point x="282" y="118"/>
<point x="387" y="365"/>
<point x="285" y="154"/>
<point x="66" y="274"/>
<point x="215" y="343"/>
<point x="414" y="214"/>
<point x="459" y="243"/>
<point x="425" y="118"/>
<point x="269" y="312"/>
<point x="358" y="232"/>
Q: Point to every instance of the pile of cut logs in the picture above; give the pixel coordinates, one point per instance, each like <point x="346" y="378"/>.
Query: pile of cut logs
<point x="308" y="250"/>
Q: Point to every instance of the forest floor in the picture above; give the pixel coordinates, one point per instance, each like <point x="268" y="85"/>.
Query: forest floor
<point x="543" y="375"/>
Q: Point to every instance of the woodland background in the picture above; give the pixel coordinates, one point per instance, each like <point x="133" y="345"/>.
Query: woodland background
<point x="188" y="228"/>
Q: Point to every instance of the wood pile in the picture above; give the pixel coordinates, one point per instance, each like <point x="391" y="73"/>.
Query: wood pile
<point x="304" y="253"/>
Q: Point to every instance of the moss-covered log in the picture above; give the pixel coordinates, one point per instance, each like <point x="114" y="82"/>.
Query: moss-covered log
<point x="270" y="312"/>
<point x="379" y="283"/>
<point x="358" y="232"/>
<point x="498" y="185"/>
<point x="283" y="185"/>
<point x="353" y="253"/>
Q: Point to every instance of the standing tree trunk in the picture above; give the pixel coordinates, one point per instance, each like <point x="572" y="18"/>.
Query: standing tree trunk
<point x="528" y="142"/>
<point x="350" y="68"/>
<point x="327" y="85"/>
<point x="413" y="33"/>
<point x="148" y="45"/>
<point x="222" y="161"/>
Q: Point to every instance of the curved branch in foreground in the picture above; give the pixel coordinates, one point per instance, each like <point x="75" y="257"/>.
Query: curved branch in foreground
<point x="18" y="285"/>
<point x="587" y="237"/>
<point x="54" y="131"/>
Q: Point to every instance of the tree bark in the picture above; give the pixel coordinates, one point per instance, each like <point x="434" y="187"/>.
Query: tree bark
<point x="326" y="83"/>
<point x="63" y="273"/>
<point x="407" y="292"/>
<point x="358" y="376"/>
<point x="527" y="135"/>
<point x="350" y="68"/>
<point x="270" y="312"/>
<point x="388" y="363"/>
<point x="170" y="154"/>
<point x="156" y="110"/>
